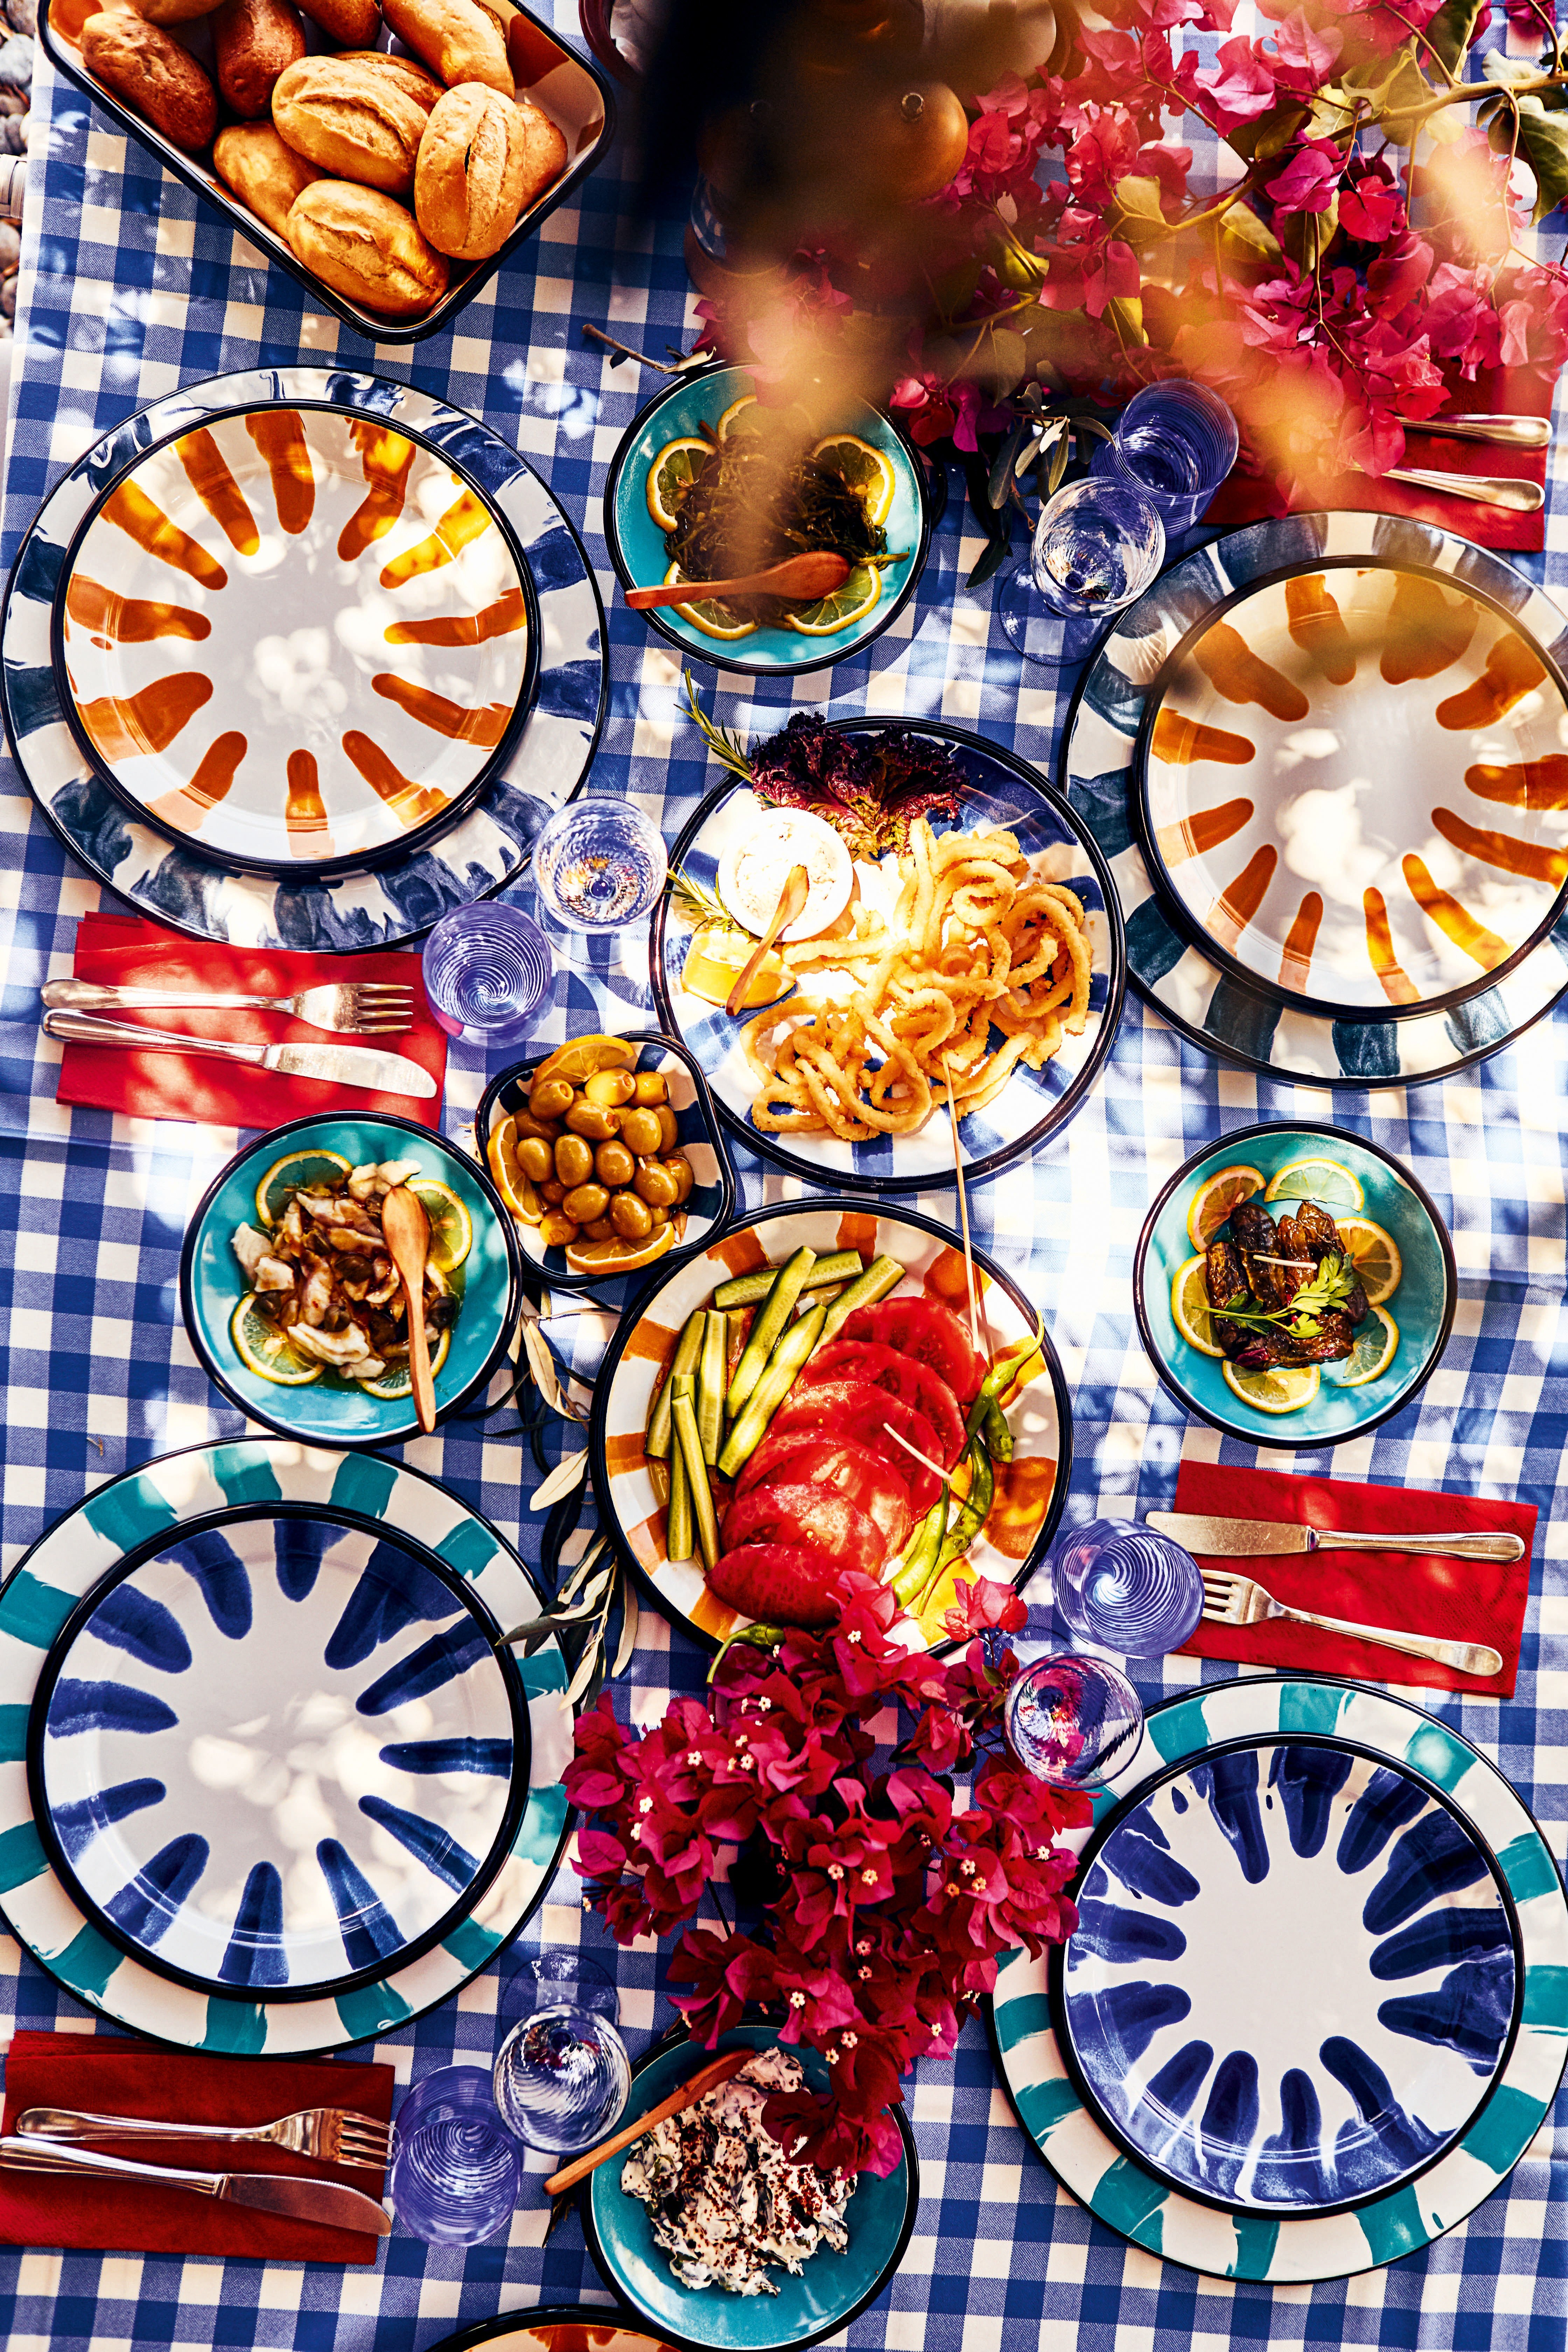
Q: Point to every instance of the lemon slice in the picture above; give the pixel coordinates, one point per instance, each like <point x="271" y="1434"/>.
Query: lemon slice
<point x="1376" y="1342"/>
<point x="1283" y="1388"/>
<point x="1190" y="1307"/>
<point x="714" y="620"/>
<point x="714" y="962"/>
<point x="846" y="604"/>
<point x="397" y="1380"/>
<point x="618" y="1257"/>
<point x="501" y="1153"/>
<point x="864" y="467"/>
<point x="1319" y="1178"/>
<point x="263" y="1348"/>
<point x="670" y="477"/>
<point x="1217" y="1196"/>
<point x="451" y="1227"/>
<point x="1376" y="1256"/>
<point x="747" y="400"/>
<point x="287" y="1175"/>
<point x="584" y="1058"/>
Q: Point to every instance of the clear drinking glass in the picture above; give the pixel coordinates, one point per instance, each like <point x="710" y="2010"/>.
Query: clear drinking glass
<point x="487" y="968"/>
<point x="1118" y="1583"/>
<point x="1097" y="546"/>
<point x="562" y="2077"/>
<point x="544" y="1980"/>
<point x="457" y="2170"/>
<point x="1073" y="1721"/>
<point x="1176" y="443"/>
<point x="599" y="864"/>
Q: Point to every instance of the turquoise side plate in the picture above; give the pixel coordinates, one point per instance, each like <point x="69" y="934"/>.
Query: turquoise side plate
<point x="831" y="2289"/>
<point x="1423" y="1305"/>
<point x="636" y="543"/>
<point x="329" y="1412"/>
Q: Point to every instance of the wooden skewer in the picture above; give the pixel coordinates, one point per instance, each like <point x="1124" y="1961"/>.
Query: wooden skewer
<point x="924" y="1459"/>
<point x="962" y="1207"/>
<point x="707" y="2079"/>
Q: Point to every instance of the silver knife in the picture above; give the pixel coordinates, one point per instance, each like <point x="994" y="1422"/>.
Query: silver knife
<point x="1257" y="1538"/>
<point x="337" y="1065"/>
<point x="270" y="2193"/>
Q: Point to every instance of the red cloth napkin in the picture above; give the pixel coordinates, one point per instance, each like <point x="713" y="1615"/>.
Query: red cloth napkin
<point x="129" y="953"/>
<point x="1456" y="1600"/>
<point x="112" y="2075"/>
<point x="1502" y="392"/>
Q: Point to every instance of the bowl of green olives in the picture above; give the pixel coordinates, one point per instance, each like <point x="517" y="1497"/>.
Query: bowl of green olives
<point x="609" y="1155"/>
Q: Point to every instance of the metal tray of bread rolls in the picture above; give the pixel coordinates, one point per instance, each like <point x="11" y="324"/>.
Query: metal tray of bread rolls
<point x="570" y="89"/>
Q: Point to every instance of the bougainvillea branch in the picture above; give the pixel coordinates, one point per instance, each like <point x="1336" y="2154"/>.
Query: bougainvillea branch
<point x="884" y="1897"/>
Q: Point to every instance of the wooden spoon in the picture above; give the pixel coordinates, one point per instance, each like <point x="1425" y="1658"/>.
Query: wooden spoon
<point x="707" y="2079"/>
<point x="406" y="1228"/>
<point x="818" y="574"/>
<point x="792" y="899"/>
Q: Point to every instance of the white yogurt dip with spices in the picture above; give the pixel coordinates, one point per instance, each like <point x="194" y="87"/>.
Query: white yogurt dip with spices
<point x="753" y="873"/>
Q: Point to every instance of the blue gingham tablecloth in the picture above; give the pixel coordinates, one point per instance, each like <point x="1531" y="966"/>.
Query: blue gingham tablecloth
<point x="131" y="286"/>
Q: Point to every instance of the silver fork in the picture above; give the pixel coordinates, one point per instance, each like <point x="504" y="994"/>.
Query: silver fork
<point x="360" y="1008"/>
<point x="331" y="2134"/>
<point x="1242" y="1601"/>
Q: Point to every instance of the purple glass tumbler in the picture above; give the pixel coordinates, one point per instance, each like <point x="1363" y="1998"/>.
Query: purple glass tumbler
<point x="457" y="2170"/>
<point x="1175" y="443"/>
<point x="1119" y="1585"/>
<point x="487" y="968"/>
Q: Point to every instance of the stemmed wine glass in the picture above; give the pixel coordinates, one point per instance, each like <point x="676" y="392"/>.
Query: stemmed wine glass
<point x="1097" y="547"/>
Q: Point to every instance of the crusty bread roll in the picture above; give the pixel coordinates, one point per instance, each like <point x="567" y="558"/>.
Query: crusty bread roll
<point x="408" y="77"/>
<point x="264" y="173"/>
<point x="482" y="159"/>
<point x="254" y="42"/>
<point x="353" y="23"/>
<point x="457" y="39"/>
<point x="173" y="12"/>
<point x="147" y="67"/>
<point x="363" y="244"/>
<point x="356" y="123"/>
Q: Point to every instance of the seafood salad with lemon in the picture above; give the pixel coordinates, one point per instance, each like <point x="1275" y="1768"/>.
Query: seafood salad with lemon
<point x="756" y="488"/>
<point x="324" y="1298"/>
<point x="1281" y="1296"/>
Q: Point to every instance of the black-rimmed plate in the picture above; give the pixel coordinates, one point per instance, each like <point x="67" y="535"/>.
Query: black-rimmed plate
<point x="1032" y="1486"/>
<point x="275" y="1754"/>
<point x="1003" y="791"/>
<point x="1249" y="1019"/>
<point x="144" y="1507"/>
<point x="157" y="868"/>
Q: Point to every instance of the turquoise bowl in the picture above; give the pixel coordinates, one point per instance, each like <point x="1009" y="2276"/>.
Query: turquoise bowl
<point x="831" y="2289"/>
<point x="329" y="1412"/>
<point x="1423" y="1305"/>
<point x="636" y="543"/>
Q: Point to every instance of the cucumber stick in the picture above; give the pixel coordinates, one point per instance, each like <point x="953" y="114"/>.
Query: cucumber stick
<point x="883" y="1273"/>
<point x="703" y="1515"/>
<point x="772" y="1317"/>
<point x="678" y="1519"/>
<point x="711" y="1385"/>
<point x="746" y="1289"/>
<point x="657" y="1442"/>
<point x="787" y="1359"/>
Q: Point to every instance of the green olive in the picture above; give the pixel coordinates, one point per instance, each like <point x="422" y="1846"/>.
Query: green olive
<point x="680" y="1168"/>
<point x="573" y="1160"/>
<point x="641" y="1133"/>
<point x="656" y="1184"/>
<point x="611" y="1089"/>
<point x="550" y="1098"/>
<point x="669" y="1133"/>
<point x="588" y="1202"/>
<point x="651" y="1087"/>
<point x="556" y="1230"/>
<point x="535" y="1158"/>
<point x="527" y="1125"/>
<point x="659" y="1216"/>
<point x="601" y="1230"/>
<point x="554" y="1193"/>
<point x="614" y="1165"/>
<point x="594" y="1120"/>
<point x="631" y="1218"/>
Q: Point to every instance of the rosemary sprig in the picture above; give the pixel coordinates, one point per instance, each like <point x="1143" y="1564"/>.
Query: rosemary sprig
<point x="703" y="910"/>
<point x="725" y="746"/>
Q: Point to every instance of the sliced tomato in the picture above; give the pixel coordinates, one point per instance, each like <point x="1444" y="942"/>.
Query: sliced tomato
<point x="870" y="1416"/>
<point x="930" y="1333"/>
<point x="778" y="1584"/>
<point x="816" y="1458"/>
<point x="911" y="1382"/>
<point x="818" y="1518"/>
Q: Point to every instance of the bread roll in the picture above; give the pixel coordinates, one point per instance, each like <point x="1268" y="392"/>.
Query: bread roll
<point x="155" y="76"/>
<point x="408" y="77"/>
<point x="478" y="167"/>
<point x="173" y="12"/>
<point x="255" y="41"/>
<point x="264" y="173"/>
<point x="457" y="39"/>
<point x="355" y="24"/>
<point x="363" y="244"/>
<point x="356" y="123"/>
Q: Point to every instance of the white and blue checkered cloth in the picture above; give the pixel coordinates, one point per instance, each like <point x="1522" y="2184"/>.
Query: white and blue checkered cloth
<point x="132" y="286"/>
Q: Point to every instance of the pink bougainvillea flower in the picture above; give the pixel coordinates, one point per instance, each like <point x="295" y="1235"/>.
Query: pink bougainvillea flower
<point x="1309" y="179"/>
